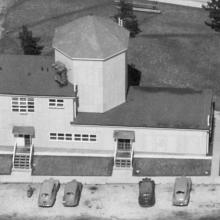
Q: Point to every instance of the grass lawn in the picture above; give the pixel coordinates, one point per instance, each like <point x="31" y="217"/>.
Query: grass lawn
<point x="175" y="48"/>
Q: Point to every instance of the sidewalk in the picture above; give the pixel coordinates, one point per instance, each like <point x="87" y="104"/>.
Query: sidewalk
<point x="113" y="201"/>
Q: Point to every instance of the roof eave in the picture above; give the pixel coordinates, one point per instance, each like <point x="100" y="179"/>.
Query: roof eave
<point x="90" y="59"/>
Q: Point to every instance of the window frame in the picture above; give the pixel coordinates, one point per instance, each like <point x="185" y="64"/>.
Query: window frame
<point x="55" y="103"/>
<point x="75" y="137"/>
<point x="22" y="104"/>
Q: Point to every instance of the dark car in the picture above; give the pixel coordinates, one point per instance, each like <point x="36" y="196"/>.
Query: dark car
<point x="146" y="192"/>
<point x="48" y="192"/>
<point x="72" y="193"/>
<point x="181" y="192"/>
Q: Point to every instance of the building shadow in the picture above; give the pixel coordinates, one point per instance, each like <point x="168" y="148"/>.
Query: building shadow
<point x="134" y="76"/>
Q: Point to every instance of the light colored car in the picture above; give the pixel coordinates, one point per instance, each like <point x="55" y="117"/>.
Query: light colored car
<point x="72" y="193"/>
<point x="181" y="192"/>
<point x="48" y="192"/>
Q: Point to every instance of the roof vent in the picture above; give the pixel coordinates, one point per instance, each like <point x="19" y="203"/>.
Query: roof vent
<point x="60" y="73"/>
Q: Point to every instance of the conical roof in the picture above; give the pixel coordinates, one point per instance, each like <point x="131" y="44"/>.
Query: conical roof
<point x="91" y="37"/>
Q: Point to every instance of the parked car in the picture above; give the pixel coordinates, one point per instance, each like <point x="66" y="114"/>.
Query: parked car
<point x="181" y="192"/>
<point x="48" y="192"/>
<point x="146" y="192"/>
<point x="72" y="193"/>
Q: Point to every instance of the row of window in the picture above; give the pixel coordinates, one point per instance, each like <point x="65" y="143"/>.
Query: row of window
<point x="26" y="104"/>
<point x="20" y="104"/>
<point x="73" y="137"/>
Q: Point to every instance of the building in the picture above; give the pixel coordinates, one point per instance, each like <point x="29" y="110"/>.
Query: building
<point x="77" y="116"/>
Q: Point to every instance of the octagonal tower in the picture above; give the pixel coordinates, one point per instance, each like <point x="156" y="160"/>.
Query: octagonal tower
<point x="94" y="51"/>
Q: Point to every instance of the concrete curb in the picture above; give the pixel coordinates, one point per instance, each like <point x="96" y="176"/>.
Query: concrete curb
<point x="15" y="178"/>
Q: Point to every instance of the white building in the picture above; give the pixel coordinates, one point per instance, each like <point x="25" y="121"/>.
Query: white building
<point x="92" y="126"/>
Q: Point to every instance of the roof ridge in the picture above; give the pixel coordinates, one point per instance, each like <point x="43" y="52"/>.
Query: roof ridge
<point x="95" y="34"/>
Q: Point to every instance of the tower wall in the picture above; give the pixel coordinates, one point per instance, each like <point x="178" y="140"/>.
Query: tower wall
<point x="114" y="81"/>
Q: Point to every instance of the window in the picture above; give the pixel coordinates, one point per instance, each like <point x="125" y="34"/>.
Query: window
<point x="61" y="136"/>
<point x="85" y="137"/>
<point x="123" y="156"/>
<point x="56" y="103"/>
<point x="70" y="137"/>
<point x="124" y="144"/>
<point x="77" y="137"/>
<point x="22" y="104"/>
<point x="53" y="136"/>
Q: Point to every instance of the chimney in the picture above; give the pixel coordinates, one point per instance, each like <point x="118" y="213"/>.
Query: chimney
<point x="60" y="73"/>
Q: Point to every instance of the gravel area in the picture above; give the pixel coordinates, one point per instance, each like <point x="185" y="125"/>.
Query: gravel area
<point x="111" y="201"/>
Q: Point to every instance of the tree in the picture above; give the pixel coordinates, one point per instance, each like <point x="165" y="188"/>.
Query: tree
<point x="213" y="7"/>
<point x="29" y="43"/>
<point x="126" y="15"/>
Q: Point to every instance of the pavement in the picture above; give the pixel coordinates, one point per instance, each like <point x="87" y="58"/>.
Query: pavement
<point x="110" y="201"/>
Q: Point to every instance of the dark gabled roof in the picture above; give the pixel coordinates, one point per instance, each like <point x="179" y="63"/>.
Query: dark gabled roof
<point x="30" y="75"/>
<point x="156" y="107"/>
<point x="91" y="37"/>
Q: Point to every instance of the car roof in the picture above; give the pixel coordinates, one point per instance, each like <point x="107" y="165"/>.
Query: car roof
<point x="181" y="183"/>
<point x="71" y="186"/>
<point x="47" y="186"/>
<point x="146" y="186"/>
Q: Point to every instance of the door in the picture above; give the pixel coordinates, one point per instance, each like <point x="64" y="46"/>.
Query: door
<point x="27" y="140"/>
<point x="20" y="140"/>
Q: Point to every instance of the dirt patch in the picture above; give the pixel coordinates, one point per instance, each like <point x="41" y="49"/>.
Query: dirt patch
<point x="93" y="188"/>
<point x="88" y="204"/>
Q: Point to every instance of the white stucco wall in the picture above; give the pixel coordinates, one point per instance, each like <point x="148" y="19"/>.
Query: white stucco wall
<point x="101" y="84"/>
<point x="155" y="140"/>
<point x="87" y="75"/>
<point x="114" y="81"/>
<point x="45" y="120"/>
<point x="42" y="119"/>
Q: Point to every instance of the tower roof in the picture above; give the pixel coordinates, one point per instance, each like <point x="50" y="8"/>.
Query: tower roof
<point x="91" y="37"/>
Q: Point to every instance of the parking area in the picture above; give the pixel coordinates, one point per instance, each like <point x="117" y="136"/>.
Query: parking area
<point x="113" y="201"/>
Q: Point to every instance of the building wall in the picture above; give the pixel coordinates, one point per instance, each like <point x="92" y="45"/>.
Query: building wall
<point x="42" y="119"/>
<point x="153" y="140"/>
<point x="147" y="140"/>
<point x="114" y="81"/>
<point x="101" y="84"/>
<point x="45" y="121"/>
<point x="87" y="75"/>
